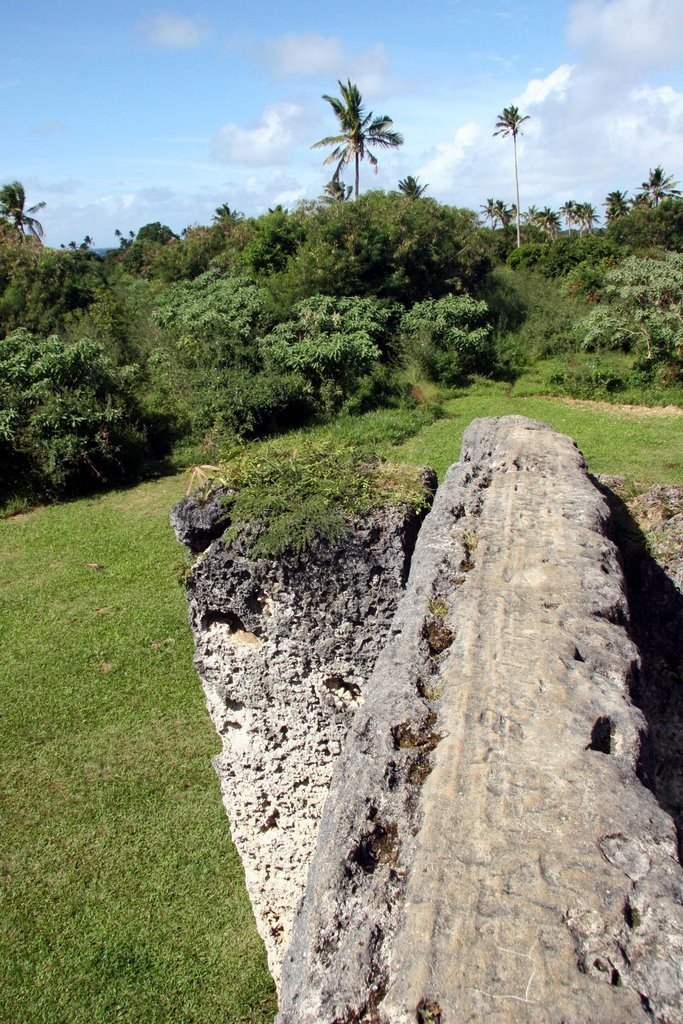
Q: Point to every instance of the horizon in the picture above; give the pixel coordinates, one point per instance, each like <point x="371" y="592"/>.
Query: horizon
<point x="223" y="113"/>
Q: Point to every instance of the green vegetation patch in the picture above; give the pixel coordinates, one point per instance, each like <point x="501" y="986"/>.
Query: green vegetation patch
<point x="641" y="444"/>
<point x="123" y="896"/>
<point x="285" y="496"/>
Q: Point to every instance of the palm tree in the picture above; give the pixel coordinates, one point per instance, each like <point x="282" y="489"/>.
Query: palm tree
<point x="502" y="214"/>
<point x="411" y="187"/>
<point x="616" y="205"/>
<point x="13" y="208"/>
<point x="335" y="192"/>
<point x="358" y="132"/>
<point x="568" y="211"/>
<point x="586" y="217"/>
<point x="224" y="212"/>
<point x="548" y="221"/>
<point x="508" y="123"/>
<point x="489" y="211"/>
<point x="659" y="185"/>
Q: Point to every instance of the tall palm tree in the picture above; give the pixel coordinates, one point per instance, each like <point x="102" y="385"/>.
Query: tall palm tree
<point x="659" y="185"/>
<point x="489" y="211"/>
<point x="509" y="123"/>
<point x="586" y="217"/>
<point x="411" y="187"/>
<point x="502" y="214"/>
<point x="548" y="221"/>
<point x="358" y="131"/>
<point x="336" y="191"/>
<point x="616" y="205"/>
<point x="568" y="211"/>
<point x="13" y="208"/>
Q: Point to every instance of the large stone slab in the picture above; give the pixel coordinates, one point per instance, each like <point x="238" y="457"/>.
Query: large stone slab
<point x="284" y="649"/>
<point x="487" y="852"/>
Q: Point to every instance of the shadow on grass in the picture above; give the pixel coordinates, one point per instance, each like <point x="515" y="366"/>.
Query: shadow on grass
<point x="656" y="626"/>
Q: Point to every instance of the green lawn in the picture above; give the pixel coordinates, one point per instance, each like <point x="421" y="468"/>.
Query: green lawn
<point x="123" y="899"/>
<point x="642" y="446"/>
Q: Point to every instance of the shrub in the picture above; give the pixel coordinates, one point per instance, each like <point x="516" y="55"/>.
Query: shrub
<point x="331" y="343"/>
<point x="592" y="380"/>
<point x="213" y="319"/>
<point x="69" y="419"/>
<point x="643" y="312"/>
<point x="287" y="496"/>
<point x="449" y="338"/>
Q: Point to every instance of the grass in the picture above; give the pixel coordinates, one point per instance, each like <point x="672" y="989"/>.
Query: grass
<point x="123" y="897"/>
<point x="640" y="446"/>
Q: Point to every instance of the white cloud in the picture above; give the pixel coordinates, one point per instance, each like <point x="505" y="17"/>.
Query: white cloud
<point x="269" y="141"/>
<point x="176" y="31"/>
<point x="539" y="89"/>
<point x="306" y="54"/>
<point x="645" y="32"/>
<point x="442" y="168"/>
<point x="311" y="54"/>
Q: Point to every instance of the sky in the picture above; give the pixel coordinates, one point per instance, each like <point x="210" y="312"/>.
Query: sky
<point x="116" y="113"/>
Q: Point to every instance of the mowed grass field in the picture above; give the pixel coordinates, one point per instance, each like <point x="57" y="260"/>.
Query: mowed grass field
<point x="122" y="896"/>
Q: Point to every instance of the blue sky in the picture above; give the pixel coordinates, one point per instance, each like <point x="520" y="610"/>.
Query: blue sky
<point x="119" y="113"/>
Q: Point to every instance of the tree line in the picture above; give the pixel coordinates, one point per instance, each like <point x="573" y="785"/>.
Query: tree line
<point x="174" y="346"/>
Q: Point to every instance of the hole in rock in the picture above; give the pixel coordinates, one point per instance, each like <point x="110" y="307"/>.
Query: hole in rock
<point x="344" y="689"/>
<point x="602" y="735"/>
<point x="236" y="628"/>
<point x="577" y="655"/>
<point x="378" y="846"/>
<point x="428" y="1012"/>
<point x="632" y="915"/>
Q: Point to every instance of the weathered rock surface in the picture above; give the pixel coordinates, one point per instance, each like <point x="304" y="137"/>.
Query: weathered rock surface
<point x="284" y="649"/>
<point x="488" y="852"/>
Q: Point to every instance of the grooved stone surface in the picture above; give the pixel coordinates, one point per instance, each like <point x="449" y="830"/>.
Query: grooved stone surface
<point x="487" y="852"/>
<point x="284" y="649"/>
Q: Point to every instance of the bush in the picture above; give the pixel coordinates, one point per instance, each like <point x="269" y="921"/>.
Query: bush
<point x="449" y="338"/>
<point x="331" y="343"/>
<point x="643" y="312"/>
<point x="592" y="380"/>
<point x="284" y="497"/>
<point x="214" y="320"/>
<point x="69" y="419"/>
<point x="557" y="258"/>
<point x="255" y="405"/>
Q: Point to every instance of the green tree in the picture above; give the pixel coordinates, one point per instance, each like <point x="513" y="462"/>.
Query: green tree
<point x="13" y="208"/>
<point x="358" y="132"/>
<point x="336" y="191"/>
<point x="568" y="211"/>
<point x="449" y="338"/>
<point x="658" y="186"/>
<point x="509" y="123"/>
<point x="616" y="205"/>
<point x="586" y="217"/>
<point x="411" y="187"/>
<point x="548" y="221"/>
<point x="224" y="213"/>
<point x="69" y="418"/>
<point x="488" y="211"/>
<point x="646" y="298"/>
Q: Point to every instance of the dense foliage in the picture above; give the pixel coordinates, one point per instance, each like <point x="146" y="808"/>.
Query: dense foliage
<point x="67" y="415"/>
<point x="252" y="326"/>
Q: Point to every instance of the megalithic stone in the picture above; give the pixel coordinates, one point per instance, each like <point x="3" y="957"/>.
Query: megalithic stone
<point x="284" y="648"/>
<point x="488" y="852"/>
